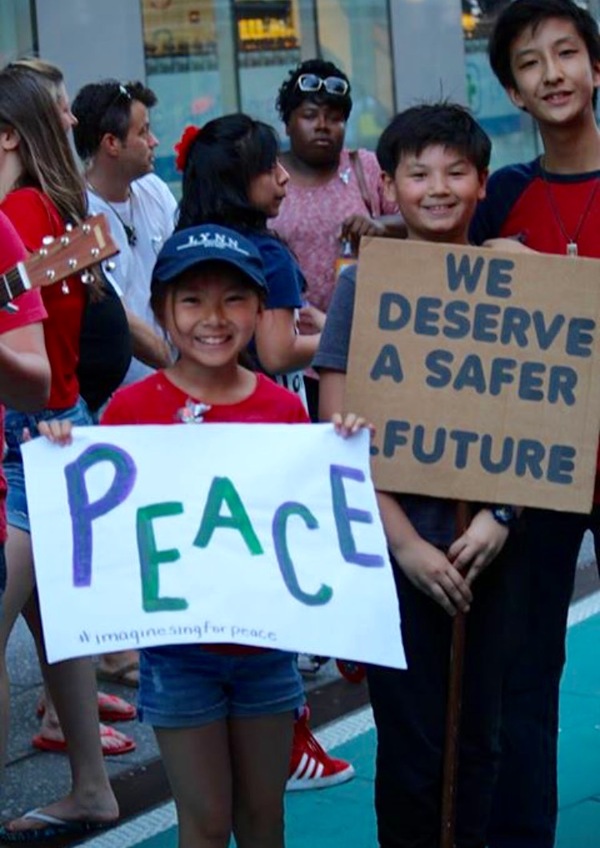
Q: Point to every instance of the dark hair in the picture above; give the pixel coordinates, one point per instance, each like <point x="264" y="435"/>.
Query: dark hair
<point x="105" y="107"/>
<point x="48" y="164"/>
<point x="522" y="14"/>
<point x="160" y="289"/>
<point x="447" y="124"/>
<point x="290" y="97"/>
<point x="222" y="160"/>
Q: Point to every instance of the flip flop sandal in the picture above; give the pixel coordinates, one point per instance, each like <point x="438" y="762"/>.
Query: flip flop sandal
<point x="53" y="828"/>
<point x="59" y="746"/>
<point x="111" y="708"/>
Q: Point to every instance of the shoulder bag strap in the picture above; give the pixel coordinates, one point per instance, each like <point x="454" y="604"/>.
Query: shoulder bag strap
<point x="361" y="180"/>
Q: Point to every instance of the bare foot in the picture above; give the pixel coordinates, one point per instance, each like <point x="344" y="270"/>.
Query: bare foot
<point x="121" y="667"/>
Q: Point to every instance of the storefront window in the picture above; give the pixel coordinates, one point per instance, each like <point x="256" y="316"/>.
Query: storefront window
<point x="355" y="35"/>
<point x="183" y="68"/>
<point x="205" y="58"/>
<point x="512" y="132"/>
<point x="17" y="37"/>
<point x="268" y="41"/>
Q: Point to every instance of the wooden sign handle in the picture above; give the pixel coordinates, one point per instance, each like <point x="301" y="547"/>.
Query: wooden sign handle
<point x="454" y="706"/>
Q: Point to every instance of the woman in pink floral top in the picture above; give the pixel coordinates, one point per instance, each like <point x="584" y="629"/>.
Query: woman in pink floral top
<point x="324" y="202"/>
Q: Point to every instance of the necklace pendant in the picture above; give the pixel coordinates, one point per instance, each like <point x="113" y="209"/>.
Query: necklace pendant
<point x="572" y="248"/>
<point x="130" y="233"/>
<point x="345" y="175"/>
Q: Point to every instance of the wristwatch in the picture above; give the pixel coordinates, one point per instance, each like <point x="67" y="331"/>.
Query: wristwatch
<point x="504" y="515"/>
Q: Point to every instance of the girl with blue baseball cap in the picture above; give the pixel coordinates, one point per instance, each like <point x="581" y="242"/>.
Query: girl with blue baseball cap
<point x="223" y="714"/>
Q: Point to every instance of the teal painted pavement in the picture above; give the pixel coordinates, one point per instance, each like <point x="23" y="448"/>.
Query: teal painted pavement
<point x="344" y="815"/>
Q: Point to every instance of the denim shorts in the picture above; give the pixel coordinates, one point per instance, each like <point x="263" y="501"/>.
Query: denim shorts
<point x="17" y="514"/>
<point x="189" y="686"/>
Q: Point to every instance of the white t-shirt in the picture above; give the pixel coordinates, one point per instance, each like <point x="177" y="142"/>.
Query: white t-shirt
<point x="151" y="213"/>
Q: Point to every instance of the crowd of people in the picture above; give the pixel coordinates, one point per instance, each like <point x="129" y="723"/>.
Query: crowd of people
<point x="252" y="323"/>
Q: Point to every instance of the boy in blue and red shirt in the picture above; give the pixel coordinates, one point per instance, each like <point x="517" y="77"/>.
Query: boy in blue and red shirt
<point x="546" y="54"/>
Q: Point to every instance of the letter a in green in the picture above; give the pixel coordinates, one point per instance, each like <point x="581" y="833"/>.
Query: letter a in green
<point x="222" y="490"/>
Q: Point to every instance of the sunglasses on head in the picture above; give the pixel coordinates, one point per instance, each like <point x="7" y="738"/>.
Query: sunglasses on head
<point x="332" y="85"/>
<point x="121" y="92"/>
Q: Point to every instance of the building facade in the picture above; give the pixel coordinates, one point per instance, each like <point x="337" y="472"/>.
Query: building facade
<point x="205" y="58"/>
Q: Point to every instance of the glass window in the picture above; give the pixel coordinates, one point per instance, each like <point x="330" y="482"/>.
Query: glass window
<point x="514" y="138"/>
<point x="17" y="36"/>
<point x="268" y="41"/>
<point x="205" y="58"/>
<point x="182" y="67"/>
<point x="355" y="35"/>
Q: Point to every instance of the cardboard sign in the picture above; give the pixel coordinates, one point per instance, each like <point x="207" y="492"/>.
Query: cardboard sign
<point x="480" y="371"/>
<point x="265" y="535"/>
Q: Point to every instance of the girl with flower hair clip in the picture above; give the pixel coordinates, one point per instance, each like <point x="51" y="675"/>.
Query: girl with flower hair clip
<point x="232" y="176"/>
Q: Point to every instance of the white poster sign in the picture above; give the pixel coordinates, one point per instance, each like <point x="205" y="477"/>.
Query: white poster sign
<point x="265" y="535"/>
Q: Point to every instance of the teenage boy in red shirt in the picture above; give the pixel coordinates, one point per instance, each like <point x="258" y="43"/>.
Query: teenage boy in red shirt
<point x="546" y="54"/>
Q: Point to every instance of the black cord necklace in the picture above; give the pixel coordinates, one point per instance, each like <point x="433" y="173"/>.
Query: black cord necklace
<point x="130" y="231"/>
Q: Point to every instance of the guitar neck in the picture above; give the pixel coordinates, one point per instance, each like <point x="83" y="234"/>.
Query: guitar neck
<point x="13" y="283"/>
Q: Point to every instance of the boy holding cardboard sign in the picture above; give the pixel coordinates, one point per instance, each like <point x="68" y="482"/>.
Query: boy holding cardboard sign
<point x="435" y="160"/>
<point x="546" y="54"/>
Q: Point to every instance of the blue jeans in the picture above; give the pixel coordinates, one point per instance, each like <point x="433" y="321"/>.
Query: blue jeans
<point x="189" y="685"/>
<point x="15" y="423"/>
<point x="526" y="797"/>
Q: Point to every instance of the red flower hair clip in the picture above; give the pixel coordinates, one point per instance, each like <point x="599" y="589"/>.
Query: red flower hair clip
<point x="182" y="147"/>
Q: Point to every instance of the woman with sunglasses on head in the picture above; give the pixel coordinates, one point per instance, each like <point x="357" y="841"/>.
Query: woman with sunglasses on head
<point x="333" y="195"/>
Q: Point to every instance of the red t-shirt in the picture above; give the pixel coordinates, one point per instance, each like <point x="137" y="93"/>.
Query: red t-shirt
<point x="31" y="310"/>
<point x="35" y="216"/>
<point x="156" y="400"/>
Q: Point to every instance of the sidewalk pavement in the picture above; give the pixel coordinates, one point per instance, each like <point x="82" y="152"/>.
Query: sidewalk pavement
<point x="344" y="815"/>
<point x="35" y="778"/>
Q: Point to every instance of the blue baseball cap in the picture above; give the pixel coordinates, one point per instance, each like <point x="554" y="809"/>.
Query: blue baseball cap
<point x="208" y="243"/>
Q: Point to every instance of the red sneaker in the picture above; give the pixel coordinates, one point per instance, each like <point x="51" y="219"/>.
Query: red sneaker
<point x="311" y="767"/>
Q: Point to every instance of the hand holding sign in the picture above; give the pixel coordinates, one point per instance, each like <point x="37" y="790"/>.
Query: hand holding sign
<point x="481" y="371"/>
<point x="202" y="550"/>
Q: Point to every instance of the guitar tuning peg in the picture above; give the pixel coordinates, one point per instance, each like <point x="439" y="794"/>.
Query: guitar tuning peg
<point x="86" y="228"/>
<point x="110" y="265"/>
<point x="69" y="228"/>
<point x="95" y="252"/>
<point x="65" y="240"/>
<point x="47" y="240"/>
<point x="87" y="278"/>
<point x="51" y="273"/>
<point x="43" y="251"/>
<point x="72" y="263"/>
